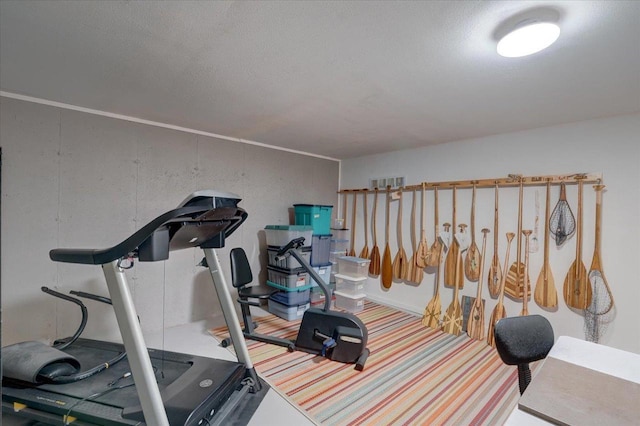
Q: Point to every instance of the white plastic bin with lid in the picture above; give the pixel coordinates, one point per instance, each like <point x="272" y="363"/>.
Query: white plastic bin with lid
<point x="350" y="285"/>
<point x="349" y="302"/>
<point x="353" y="266"/>
<point x="324" y="272"/>
<point x="280" y="235"/>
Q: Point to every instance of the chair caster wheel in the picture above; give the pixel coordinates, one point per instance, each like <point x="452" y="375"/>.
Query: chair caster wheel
<point x="291" y="348"/>
<point x="225" y="343"/>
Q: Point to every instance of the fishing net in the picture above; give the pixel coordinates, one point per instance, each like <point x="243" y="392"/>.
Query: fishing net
<point x="600" y="313"/>
<point x="562" y="223"/>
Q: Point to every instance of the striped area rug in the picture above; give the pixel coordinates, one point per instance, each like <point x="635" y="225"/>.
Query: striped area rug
<point x="414" y="375"/>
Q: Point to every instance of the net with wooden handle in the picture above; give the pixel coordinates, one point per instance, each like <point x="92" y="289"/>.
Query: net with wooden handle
<point x="545" y="293"/>
<point x="499" y="311"/>
<point x="562" y="223"/>
<point x="475" y="322"/>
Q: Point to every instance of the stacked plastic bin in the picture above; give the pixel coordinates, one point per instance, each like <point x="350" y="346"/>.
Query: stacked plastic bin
<point x="287" y="275"/>
<point x="350" y="283"/>
<point x="339" y="248"/>
<point x="319" y="218"/>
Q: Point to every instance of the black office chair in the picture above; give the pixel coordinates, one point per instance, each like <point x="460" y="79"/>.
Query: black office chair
<point x="521" y="340"/>
<point x="248" y="296"/>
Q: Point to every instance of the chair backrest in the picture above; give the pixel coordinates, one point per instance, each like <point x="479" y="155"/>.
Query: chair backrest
<point x="524" y="339"/>
<point x="240" y="269"/>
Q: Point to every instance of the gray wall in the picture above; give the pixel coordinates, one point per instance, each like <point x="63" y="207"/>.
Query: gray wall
<point x="72" y="179"/>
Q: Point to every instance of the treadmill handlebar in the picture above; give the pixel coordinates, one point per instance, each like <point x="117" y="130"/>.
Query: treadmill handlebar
<point x="157" y="235"/>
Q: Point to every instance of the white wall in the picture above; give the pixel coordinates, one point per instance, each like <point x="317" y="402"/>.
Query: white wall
<point x="72" y="179"/>
<point x="609" y="146"/>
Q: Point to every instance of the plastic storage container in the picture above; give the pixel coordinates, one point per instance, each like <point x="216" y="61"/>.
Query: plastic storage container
<point x="353" y="266"/>
<point x="340" y="233"/>
<point x="288" y="262"/>
<point x="317" y="294"/>
<point x="339" y="245"/>
<point x="320" y="248"/>
<point x="280" y="235"/>
<point x="334" y="255"/>
<point x="288" y="279"/>
<point x="350" y="285"/>
<point x="289" y="313"/>
<point x="318" y="216"/>
<point x="291" y="298"/>
<point x="324" y="272"/>
<point x="349" y="302"/>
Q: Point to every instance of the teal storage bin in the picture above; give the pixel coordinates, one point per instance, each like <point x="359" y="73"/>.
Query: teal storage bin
<point x="318" y="216"/>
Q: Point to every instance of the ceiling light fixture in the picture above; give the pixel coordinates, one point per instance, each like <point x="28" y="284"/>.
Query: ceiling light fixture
<point x="529" y="37"/>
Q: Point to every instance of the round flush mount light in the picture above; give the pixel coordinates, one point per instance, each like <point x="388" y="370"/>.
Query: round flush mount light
<point x="527" y="38"/>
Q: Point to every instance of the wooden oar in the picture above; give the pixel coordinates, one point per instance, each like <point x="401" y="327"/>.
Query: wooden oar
<point x="577" y="290"/>
<point x="525" y="296"/>
<point x="433" y="258"/>
<point x="387" y="266"/>
<point x="400" y="260"/>
<point x="433" y="311"/>
<point x="452" y="254"/>
<point x="452" y="320"/>
<point x="515" y="275"/>
<point x="499" y="312"/>
<point x="475" y="323"/>
<point x="495" y="272"/>
<point x="364" y="253"/>
<point x="414" y="272"/>
<point x="545" y="293"/>
<point x="352" y="251"/>
<point x="423" y="246"/>
<point x="472" y="259"/>
<point x="344" y="209"/>
<point x="374" y="265"/>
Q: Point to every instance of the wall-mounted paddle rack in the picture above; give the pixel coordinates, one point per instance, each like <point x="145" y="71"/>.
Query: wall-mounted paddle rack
<point x="512" y="280"/>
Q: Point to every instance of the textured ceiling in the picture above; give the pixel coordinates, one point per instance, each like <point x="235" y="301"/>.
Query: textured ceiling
<point x="338" y="79"/>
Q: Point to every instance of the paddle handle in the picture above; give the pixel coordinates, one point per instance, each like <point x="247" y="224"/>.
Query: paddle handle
<point x="373" y="216"/>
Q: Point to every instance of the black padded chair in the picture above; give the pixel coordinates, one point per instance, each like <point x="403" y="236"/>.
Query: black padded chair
<point x="250" y="295"/>
<point x="521" y="340"/>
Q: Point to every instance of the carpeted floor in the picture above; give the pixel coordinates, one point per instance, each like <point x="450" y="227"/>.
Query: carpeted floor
<point x="414" y="375"/>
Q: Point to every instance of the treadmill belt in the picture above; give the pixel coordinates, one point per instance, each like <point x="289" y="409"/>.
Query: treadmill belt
<point x="187" y="383"/>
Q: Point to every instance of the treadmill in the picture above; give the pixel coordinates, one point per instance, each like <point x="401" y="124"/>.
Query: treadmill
<point x="148" y="386"/>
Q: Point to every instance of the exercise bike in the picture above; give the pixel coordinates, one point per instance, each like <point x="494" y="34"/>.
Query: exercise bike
<point x="338" y="336"/>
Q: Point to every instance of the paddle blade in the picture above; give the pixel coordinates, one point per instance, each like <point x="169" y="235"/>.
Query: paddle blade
<point x="450" y="266"/>
<point x="433" y="257"/>
<point x="498" y="313"/>
<point x="475" y="323"/>
<point x="545" y="293"/>
<point x="387" y="268"/>
<point x="452" y="320"/>
<point x="495" y="276"/>
<point x="415" y="273"/>
<point x="576" y="289"/>
<point x="422" y="252"/>
<point x="364" y="253"/>
<point x="514" y="284"/>
<point x="432" y="313"/>
<point x="399" y="266"/>
<point x="472" y="263"/>
<point x="374" y="265"/>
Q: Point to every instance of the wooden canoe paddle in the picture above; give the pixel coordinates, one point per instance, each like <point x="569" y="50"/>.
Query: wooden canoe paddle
<point x="344" y="209"/>
<point x="472" y="259"/>
<point x="495" y="271"/>
<point x="374" y="265"/>
<point x="577" y="290"/>
<point x="515" y="275"/>
<point x="545" y="293"/>
<point x="452" y="320"/>
<point x="475" y="323"/>
<point x="499" y="312"/>
<point x="525" y="296"/>
<point x="433" y="311"/>
<point x="387" y="266"/>
<point x="364" y="253"/>
<point x="400" y="259"/>
<point x="423" y="246"/>
<point x="450" y="272"/>
<point x="414" y="272"/>
<point x="433" y="258"/>
<point x="352" y="251"/>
